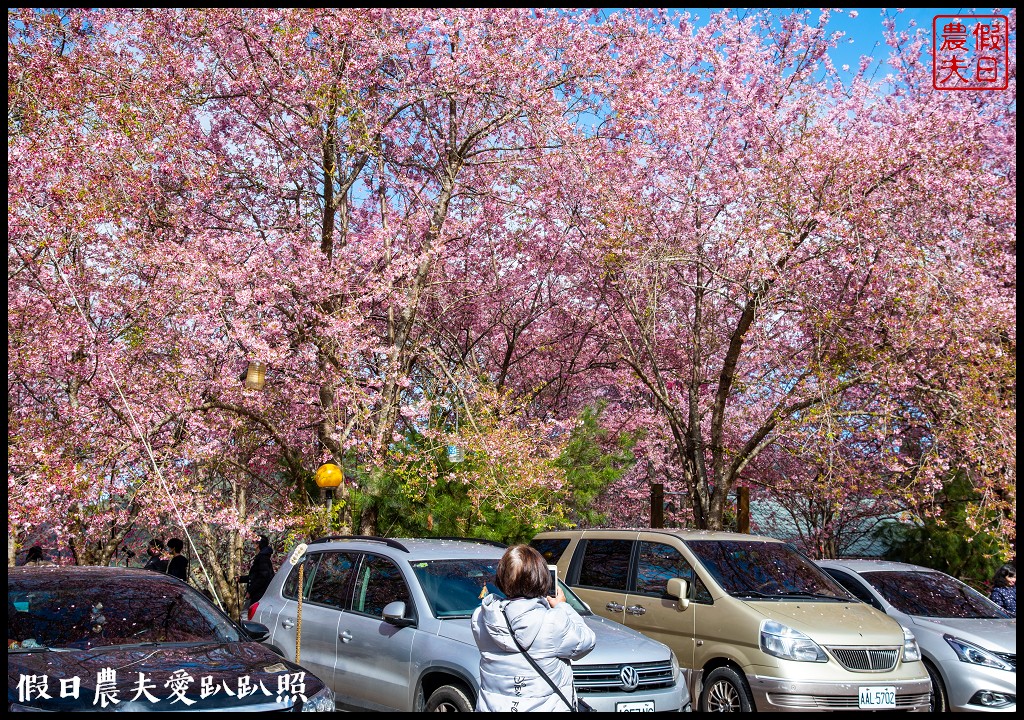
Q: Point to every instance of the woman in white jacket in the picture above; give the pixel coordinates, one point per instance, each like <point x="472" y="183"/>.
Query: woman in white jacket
<point x="546" y="627"/>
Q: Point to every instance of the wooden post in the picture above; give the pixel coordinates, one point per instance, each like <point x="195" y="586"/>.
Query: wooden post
<point x="657" y="505"/>
<point x="743" y="509"/>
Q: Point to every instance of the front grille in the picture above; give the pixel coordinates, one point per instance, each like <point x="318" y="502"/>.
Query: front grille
<point x="602" y="678"/>
<point x="866" y="659"/>
<point x="849" y="702"/>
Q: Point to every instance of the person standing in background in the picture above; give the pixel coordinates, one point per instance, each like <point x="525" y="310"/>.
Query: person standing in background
<point x="1004" y="589"/>
<point x="156" y="562"/>
<point x="36" y="556"/>
<point x="261" y="572"/>
<point x="178" y="564"/>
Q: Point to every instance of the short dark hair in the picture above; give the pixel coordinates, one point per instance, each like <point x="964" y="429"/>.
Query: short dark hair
<point x="156" y="543"/>
<point x="176" y="544"/>
<point x="523" y="573"/>
<point x="264" y="542"/>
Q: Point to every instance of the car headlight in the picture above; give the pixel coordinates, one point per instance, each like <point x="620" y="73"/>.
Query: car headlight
<point x="789" y="644"/>
<point x="675" y="666"/>
<point x="323" y="701"/>
<point x="911" y="650"/>
<point x="975" y="655"/>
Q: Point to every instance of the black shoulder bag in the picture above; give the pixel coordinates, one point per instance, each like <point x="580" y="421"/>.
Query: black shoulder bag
<point x="581" y="705"/>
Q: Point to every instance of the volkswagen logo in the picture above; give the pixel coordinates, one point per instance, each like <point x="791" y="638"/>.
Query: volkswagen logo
<point x="630" y="678"/>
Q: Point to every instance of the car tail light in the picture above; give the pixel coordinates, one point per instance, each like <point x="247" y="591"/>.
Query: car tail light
<point x="252" y="609"/>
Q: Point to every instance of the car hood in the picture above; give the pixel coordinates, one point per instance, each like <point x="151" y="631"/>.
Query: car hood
<point x="616" y="644"/>
<point x="224" y="663"/>
<point x="997" y="634"/>
<point x="832" y="623"/>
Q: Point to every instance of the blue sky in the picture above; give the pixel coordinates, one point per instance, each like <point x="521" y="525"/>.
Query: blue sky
<point x="866" y="29"/>
<point x="864" y="33"/>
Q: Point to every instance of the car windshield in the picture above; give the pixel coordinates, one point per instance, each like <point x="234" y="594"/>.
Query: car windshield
<point x="62" y="610"/>
<point x="765" y="570"/>
<point x="932" y="594"/>
<point x="454" y="588"/>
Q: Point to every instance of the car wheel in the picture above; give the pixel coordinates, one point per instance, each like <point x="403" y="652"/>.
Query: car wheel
<point x="939" y="700"/>
<point x="449" y="698"/>
<point x="725" y="690"/>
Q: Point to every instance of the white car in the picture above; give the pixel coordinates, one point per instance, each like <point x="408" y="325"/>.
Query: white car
<point x="969" y="643"/>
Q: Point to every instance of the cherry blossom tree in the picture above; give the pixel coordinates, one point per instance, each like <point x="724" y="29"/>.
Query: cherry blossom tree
<point x="283" y="187"/>
<point x="777" y="246"/>
<point x="405" y="214"/>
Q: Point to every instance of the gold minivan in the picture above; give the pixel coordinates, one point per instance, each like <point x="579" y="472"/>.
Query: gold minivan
<point x="760" y="625"/>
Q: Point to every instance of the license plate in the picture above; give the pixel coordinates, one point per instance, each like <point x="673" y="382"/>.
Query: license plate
<point x="876" y="698"/>
<point x="647" y="706"/>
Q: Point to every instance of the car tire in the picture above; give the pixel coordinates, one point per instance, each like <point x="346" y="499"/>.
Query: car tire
<point x="725" y="690"/>
<point x="450" y="698"/>
<point x="940" y="701"/>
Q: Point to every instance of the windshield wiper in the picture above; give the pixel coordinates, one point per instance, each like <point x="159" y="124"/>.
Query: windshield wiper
<point x="37" y="648"/>
<point x="814" y="596"/>
<point x="784" y="594"/>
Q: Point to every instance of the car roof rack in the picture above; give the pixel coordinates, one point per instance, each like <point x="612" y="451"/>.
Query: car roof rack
<point x="482" y="541"/>
<point x="372" y="538"/>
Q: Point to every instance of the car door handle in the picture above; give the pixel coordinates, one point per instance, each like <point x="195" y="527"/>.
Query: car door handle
<point x="636" y="609"/>
<point x="614" y="607"/>
<point x="287" y="624"/>
<point x="345" y="636"/>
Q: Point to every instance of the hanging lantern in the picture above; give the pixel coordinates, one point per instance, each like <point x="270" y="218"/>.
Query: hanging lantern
<point x="456" y="454"/>
<point x="328" y="476"/>
<point x="255" y="376"/>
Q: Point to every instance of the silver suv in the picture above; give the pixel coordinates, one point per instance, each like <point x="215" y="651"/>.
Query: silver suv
<point x="386" y="624"/>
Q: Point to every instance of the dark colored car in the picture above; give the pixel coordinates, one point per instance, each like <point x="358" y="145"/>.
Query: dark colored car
<point x="104" y="638"/>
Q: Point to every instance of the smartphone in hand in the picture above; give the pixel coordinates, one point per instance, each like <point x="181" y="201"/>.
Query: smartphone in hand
<point x="553" y="569"/>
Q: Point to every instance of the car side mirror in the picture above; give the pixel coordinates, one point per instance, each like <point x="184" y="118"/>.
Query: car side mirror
<point x="257" y="631"/>
<point x="394" y="613"/>
<point x="679" y="589"/>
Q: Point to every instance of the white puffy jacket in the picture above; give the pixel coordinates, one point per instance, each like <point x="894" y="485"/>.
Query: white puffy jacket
<point x="552" y="635"/>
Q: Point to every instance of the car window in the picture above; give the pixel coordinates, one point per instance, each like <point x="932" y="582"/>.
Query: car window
<point x="333" y="575"/>
<point x="551" y="548"/>
<point x="855" y="586"/>
<point x="605" y="564"/>
<point x="757" y="568"/>
<point x="80" y="613"/>
<point x="378" y="583"/>
<point x="573" y="600"/>
<point x="308" y="567"/>
<point x="657" y="563"/>
<point x="454" y="588"/>
<point x="932" y="594"/>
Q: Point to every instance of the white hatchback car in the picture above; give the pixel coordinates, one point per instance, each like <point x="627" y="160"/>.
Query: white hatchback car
<point x="969" y="644"/>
